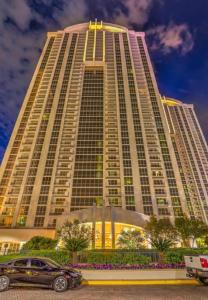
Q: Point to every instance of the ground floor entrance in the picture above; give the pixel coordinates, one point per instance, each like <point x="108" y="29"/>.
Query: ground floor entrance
<point x="105" y="235"/>
<point x="106" y="222"/>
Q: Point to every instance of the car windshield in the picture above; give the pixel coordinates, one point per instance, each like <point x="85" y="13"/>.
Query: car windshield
<point x="52" y="263"/>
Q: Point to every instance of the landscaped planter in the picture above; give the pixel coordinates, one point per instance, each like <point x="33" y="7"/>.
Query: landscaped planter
<point x="116" y="272"/>
<point x="87" y="266"/>
<point x="134" y="275"/>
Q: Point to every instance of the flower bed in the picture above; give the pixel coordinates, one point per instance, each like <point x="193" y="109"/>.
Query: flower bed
<point x="84" y="266"/>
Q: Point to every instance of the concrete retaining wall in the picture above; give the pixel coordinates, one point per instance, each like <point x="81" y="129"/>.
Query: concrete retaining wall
<point x="134" y="274"/>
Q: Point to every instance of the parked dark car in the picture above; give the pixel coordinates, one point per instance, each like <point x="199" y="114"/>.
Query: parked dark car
<point x="38" y="271"/>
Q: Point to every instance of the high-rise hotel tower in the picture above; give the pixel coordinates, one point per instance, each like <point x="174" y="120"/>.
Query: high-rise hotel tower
<point x="191" y="153"/>
<point x="92" y="141"/>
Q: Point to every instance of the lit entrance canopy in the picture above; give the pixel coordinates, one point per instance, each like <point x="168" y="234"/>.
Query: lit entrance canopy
<point x="106" y="223"/>
<point x="107" y="214"/>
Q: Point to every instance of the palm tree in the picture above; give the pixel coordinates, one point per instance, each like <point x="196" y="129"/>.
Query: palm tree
<point x="75" y="236"/>
<point x="130" y="239"/>
<point x="161" y="235"/>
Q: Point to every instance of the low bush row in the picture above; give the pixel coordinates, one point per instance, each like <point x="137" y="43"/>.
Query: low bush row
<point x="64" y="257"/>
<point x="114" y="258"/>
<point x="172" y="257"/>
<point x="61" y="257"/>
<point x="177" y="255"/>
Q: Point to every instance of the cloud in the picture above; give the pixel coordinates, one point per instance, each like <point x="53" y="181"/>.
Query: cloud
<point x="20" y="48"/>
<point x="73" y="11"/>
<point x="18" y="11"/>
<point x="125" y="12"/>
<point x="137" y="12"/>
<point x="171" y="37"/>
<point x="18" y="53"/>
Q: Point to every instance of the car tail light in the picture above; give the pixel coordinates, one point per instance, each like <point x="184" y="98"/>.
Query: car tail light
<point x="204" y="262"/>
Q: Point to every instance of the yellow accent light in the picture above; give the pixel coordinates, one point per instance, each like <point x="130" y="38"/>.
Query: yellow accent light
<point x="94" y="46"/>
<point x="103" y="45"/>
<point x="98" y="235"/>
<point x="95" y="25"/>
<point x="100" y="26"/>
<point x="170" y="102"/>
<point x="113" y="28"/>
<point x="85" y="48"/>
<point x="108" y="235"/>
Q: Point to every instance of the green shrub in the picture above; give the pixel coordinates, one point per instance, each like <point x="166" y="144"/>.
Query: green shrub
<point x="177" y="255"/>
<point x="61" y="257"/>
<point x="134" y="258"/>
<point x="40" y="243"/>
<point x="64" y="257"/>
<point x="5" y="258"/>
<point x="173" y="257"/>
<point x="114" y="258"/>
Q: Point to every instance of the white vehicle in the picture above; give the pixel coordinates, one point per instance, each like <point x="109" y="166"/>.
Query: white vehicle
<point x="197" y="267"/>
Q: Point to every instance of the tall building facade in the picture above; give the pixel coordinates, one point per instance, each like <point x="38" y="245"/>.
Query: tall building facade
<point x="192" y="155"/>
<point x="92" y="131"/>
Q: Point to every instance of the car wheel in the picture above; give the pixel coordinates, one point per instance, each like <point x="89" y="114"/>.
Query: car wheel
<point x="60" y="284"/>
<point x="203" y="280"/>
<point x="4" y="283"/>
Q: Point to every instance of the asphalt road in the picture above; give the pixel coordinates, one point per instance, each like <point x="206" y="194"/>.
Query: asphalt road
<point x="167" y="292"/>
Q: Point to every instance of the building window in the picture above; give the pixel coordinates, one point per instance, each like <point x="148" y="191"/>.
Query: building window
<point x="39" y="221"/>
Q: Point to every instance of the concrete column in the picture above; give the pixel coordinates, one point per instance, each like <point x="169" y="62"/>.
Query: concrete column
<point x="93" y="227"/>
<point x="93" y="235"/>
<point x="103" y="234"/>
<point x="113" y="227"/>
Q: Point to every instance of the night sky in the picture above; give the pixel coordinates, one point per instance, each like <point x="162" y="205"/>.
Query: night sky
<point x="176" y="34"/>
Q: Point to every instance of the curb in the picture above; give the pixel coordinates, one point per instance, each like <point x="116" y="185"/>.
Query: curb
<point x="142" y="282"/>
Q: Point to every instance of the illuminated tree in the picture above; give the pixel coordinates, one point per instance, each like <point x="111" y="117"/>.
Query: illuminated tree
<point x="190" y="230"/>
<point x="131" y="239"/>
<point x="39" y="243"/>
<point x="75" y="237"/>
<point x="161" y="234"/>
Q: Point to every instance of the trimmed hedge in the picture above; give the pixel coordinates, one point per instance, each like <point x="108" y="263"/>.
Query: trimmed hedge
<point x="64" y="257"/>
<point x="114" y="258"/>
<point x="177" y="255"/>
<point x="5" y="258"/>
<point x="172" y="256"/>
<point x="61" y="257"/>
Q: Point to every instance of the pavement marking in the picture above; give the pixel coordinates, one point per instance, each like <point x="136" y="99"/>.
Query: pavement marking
<point x="142" y="282"/>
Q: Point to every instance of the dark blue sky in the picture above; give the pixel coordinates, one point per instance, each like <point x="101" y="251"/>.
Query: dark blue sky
<point x="176" y="33"/>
